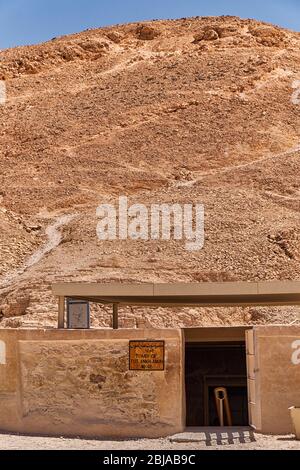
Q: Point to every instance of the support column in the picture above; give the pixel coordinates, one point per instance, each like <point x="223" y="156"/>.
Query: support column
<point x="61" y="313"/>
<point x="115" y="316"/>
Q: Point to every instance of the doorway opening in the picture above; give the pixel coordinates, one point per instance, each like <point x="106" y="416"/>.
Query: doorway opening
<point x="214" y="371"/>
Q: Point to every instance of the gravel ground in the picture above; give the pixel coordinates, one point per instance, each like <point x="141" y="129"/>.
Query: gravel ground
<point x="260" y="442"/>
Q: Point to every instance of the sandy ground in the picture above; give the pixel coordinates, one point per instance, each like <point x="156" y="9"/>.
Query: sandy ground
<point x="259" y="442"/>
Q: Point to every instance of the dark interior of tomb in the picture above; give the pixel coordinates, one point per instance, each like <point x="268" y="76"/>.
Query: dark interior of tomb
<point x="211" y="365"/>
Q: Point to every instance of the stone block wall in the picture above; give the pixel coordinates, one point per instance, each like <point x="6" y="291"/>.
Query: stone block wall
<point x="277" y="376"/>
<point x="79" y="383"/>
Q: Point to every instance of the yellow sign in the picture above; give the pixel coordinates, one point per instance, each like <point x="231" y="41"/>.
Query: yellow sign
<point x="146" y="355"/>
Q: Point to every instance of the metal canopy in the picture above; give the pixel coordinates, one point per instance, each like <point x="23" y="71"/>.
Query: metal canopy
<point x="206" y="294"/>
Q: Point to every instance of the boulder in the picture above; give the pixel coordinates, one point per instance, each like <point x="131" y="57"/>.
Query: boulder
<point x="146" y="33"/>
<point x="114" y="36"/>
<point x="15" y="305"/>
<point x="207" y="34"/>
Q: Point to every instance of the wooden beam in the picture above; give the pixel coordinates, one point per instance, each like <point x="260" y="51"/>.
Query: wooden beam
<point x="115" y="316"/>
<point x="61" y="312"/>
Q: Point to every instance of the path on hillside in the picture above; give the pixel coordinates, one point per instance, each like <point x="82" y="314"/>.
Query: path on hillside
<point x="219" y="171"/>
<point x="54" y="238"/>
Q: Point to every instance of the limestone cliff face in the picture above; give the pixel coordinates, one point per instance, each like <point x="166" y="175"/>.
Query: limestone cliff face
<point x="200" y="110"/>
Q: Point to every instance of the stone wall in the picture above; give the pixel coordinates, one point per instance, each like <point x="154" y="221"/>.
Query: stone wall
<point x="277" y="375"/>
<point x="64" y="382"/>
<point x="79" y="383"/>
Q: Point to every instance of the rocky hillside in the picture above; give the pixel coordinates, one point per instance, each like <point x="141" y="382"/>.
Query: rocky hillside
<point x="197" y="110"/>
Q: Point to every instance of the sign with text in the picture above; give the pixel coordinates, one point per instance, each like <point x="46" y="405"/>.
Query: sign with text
<point x="146" y="355"/>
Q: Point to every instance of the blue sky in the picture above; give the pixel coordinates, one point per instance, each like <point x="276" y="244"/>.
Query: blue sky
<point x="33" y="21"/>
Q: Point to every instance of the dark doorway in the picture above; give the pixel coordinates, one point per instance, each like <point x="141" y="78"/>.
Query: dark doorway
<point x="211" y="365"/>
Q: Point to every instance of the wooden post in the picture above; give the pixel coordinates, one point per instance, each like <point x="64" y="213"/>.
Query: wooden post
<point x="115" y="316"/>
<point x="61" y="312"/>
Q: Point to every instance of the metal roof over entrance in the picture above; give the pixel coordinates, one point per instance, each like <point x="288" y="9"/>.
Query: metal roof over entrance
<point x="212" y="294"/>
<point x="205" y="294"/>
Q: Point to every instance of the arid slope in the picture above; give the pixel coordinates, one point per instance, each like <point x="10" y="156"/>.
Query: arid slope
<point x="194" y="110"/>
